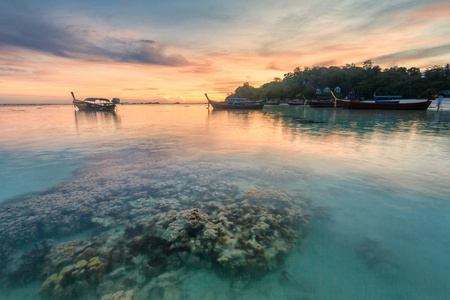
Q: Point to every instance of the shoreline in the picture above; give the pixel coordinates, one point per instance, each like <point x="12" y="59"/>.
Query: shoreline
<point x="125" y="103"/>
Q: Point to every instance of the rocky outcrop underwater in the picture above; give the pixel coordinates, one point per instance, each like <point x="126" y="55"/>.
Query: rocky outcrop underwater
<point x="148" y="232"/>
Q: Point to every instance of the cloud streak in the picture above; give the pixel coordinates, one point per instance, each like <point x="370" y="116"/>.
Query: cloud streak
<point x="33" y="32"/>
<point x="413" y="54"/>
<point x="12" y="70"/>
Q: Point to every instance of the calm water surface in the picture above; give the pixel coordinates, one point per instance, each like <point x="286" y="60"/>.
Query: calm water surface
<point x="373" y="187"/>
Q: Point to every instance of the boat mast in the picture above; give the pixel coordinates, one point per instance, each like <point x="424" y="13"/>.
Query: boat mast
<point x="208" y="99"/>
<point x="335" y="99"/>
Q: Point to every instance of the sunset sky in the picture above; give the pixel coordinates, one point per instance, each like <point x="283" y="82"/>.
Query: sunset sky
<point x="177" y="50"/>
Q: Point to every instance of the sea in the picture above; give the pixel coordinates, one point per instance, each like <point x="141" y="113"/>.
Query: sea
<point x="178" y="201"/>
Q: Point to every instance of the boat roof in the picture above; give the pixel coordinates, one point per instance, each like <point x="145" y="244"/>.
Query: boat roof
<point x="237" y="99"/>
<point x="94" y="99"/>
<point x="388" y="97"/>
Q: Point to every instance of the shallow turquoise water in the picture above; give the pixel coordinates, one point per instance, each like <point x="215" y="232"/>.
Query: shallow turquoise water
<point x="377" y="183"/>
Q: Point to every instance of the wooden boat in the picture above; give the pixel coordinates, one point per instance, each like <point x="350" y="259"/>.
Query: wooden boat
<point x="272" y="102"/>
<point x="385" y="102"/>
<point x="321" y="103"/>
<point x="235" y="103"/>
<point x="296" y="102"/>
<point x="95" y="104"/>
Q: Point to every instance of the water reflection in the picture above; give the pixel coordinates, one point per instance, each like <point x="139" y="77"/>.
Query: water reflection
<point x="361" y="121"/>
<point x="100" y="118"/>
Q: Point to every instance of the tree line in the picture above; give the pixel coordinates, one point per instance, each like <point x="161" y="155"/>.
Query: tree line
<point x="353" y="81"/>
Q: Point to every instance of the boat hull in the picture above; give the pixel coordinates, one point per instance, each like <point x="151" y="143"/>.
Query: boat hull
<point x="296" y="102"/>
<point x="225" y="105"/>
<point x="385" y="105"/>
<point x="321" y="103"/>
<point x="86" y="106"/>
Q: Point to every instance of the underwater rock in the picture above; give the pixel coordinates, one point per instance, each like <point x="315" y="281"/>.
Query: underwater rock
<point x="31" y="264"/>
<point x="87" y="254"/>
<point x="82" y="264"/>
<point x="149" y="219"/>
<point x="48" y="285"/>
<point x="71" y="274"/>
<point x="103" y="222"/>
<point x="63" y="285"/>
<point x="64" y="254"/>
<point x="249" y="234"/>
<point x="379" y="259"/>
<point x="119" y="295"/>
<point x="163" y="287"/>
<point x="372" y="252"/>
<point x="96" y="269"/>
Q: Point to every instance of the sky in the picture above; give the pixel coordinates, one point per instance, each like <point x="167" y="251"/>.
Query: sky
<point x="177" y="50"/>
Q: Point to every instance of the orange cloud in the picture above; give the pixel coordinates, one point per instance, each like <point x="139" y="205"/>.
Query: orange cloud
<point x="431" y="12"/>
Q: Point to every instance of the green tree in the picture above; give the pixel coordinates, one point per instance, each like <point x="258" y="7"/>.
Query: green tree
<point x="353" y="80"/>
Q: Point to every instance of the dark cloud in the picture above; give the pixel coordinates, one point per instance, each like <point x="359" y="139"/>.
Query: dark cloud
<point x="29" y="32"/>
<point x="148" y="41"/>
<point x="136" y="52"/>
<point x="418" y="53"/>
<point x="35" y="32"/>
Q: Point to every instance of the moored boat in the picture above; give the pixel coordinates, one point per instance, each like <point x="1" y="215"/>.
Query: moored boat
<point x="272" y="102"/>
<point x="95" y="104"/>
<point x="321" y="103"/>
<point x="296" y="102"/>
<point x="385" y="103"/>
<point x="235" y="103"/>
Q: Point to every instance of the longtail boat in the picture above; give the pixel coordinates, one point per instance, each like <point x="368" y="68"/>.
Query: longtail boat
<point x="321" y="103"/>
<point x="385" y="103"/>
<point x="235" y="103"/>
<point x="296" y="102"/>
<point x="95" y="104"/>
<point x="272" y="102"/>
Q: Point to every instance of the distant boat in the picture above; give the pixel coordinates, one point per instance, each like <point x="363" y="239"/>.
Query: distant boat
<point x="95" y="104"/>
<point x="273" y="102"/>
<point x="295" y="102"/>
<point x="235" y="103"/>
<point x="321" y="103"/>
<point x="385" y="103"/>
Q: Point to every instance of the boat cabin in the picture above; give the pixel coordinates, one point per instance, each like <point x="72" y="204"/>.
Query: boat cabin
<point x="97" y="100"/>
<point x="387" y="97"/>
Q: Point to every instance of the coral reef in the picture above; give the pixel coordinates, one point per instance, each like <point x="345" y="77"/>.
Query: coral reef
<point x="120" y="295"/>
<point x="32" y="260"/>
<point x="148" y="230"/>
<point x="71" y="268"/>
<point x="248" y="234"/>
